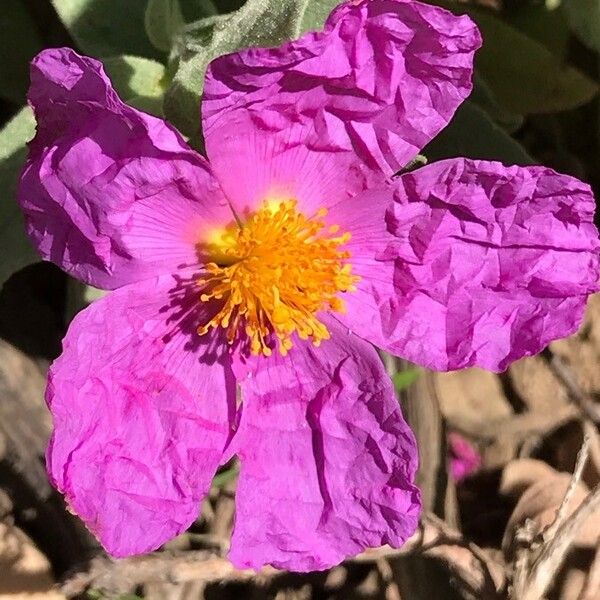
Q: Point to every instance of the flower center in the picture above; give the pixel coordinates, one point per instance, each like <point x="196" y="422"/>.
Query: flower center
<point x="273" y="274"/>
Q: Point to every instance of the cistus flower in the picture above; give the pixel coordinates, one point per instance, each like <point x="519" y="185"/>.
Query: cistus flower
<point x="464" y="459"/>
<point x="271" y="268"/>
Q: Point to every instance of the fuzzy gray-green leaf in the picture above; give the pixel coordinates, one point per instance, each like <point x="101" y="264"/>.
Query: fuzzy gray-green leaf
<point x="163" y="20"/>
<point x="139" y="81"/>
<point x="257" y="23"/>
<point x="15" y="248"/>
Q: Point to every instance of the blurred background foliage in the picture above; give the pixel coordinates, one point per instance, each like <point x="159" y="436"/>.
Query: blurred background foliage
<point x="535" y="97"/>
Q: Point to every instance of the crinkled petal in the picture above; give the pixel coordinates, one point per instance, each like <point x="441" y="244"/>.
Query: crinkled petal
<point x="481" y="264"/>
<point x="328" y="462"/>
<point x="323" y="117"/>
<point x="110" y="194"/>
<point x="142" y="408"/>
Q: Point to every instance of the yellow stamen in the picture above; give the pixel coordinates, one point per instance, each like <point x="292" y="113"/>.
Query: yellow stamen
<point x="273" y="274"/>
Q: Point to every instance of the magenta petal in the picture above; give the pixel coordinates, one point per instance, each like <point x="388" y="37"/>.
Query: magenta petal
<point x="321" y="118"/>
<point x="482" y="264"/>
<point x="110" y="194"/>
<point x="142" y="412"/>
<point x="328" y="462"/>
<point x="464" y="458"/>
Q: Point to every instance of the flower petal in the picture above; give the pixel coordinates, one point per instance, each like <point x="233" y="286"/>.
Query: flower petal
<point x="328" y="462"/>
<point x="464" y="459"/>
<point x="110" y="194"/>
<point x="321" y="118"/>
<point x="482" y="264"/>
<point x="142" y="408"/>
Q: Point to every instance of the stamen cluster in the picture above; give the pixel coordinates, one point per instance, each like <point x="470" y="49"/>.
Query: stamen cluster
<point x="273" y="274"/>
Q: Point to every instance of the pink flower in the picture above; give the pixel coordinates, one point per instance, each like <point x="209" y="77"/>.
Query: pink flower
<point x="464" y="458"/>
<point x="273" y="266"/>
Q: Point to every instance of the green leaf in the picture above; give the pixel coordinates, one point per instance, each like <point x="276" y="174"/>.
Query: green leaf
<point x="483" y="97"/>
<point x="19" y="43"/>
<point x="473" y="134"/>
<point x="15" y="248"/>
<point x="525" y="77"/>
<point x="16" y="133"/>
<point x="114" y="27"/>
<point x="545" y="25"/>
<point x="403" y="379"/>
<point x="163" y="20"/>
<point x="79" y="296"/>
<point x="139" y="81"/>
<point x="193" y="10"/>
<point x="257" y="23"/>
<point x="226" y="6"/>
<point x="107" y="27"/>
<point x="91" y="294"/>
<point x="316" y="14"/>
<point x="584" y="19"/>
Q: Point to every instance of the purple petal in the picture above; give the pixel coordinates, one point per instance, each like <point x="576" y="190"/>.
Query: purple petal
<point x="321" y="118"/>
<point x="110" y="194"/>
<point x="142" y="408"/>
<point x="328" y="462"/>
<point x="464" y="458"/>
<point x="482" y="264"/>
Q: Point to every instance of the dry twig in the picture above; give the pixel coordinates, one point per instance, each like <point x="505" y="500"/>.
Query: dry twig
<point x="474" y="571"/>
<point x="591" y="430"/>
<point x="562" y="511"/>
<point x="555" y="550"/>
<point x="541" y="555"/>
<point x="115" y="577"/>
<point x="591" y="591"/>
<point x="564" y="374"/>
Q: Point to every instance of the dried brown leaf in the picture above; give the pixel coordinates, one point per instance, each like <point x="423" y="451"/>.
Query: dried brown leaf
<point x="521" y="474"/>
<point x="541" y="501"/>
